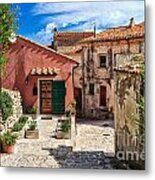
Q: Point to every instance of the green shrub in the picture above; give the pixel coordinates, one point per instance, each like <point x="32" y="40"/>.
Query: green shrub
<point x="9" y="138"/>
<point x="31" y="110"/>
<point x="6" y="104"/>
<point x="32" y="125"/>
<point x="65" y="126"/>
<point x="23" y="119"/>
<point x="18" y="126"/>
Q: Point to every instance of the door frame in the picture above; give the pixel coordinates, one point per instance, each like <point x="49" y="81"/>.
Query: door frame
<point x="38" y="98"/>
<point x="41" y="79"/>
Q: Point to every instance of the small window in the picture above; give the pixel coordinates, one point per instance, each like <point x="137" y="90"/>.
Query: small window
<point x="91" y="88"/>
<point x="103" y="61"/>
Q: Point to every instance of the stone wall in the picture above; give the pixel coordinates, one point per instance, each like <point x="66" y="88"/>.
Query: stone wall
<point x="99" y="76"/>
<point x="127" y="96"/>
<point x="17" y="107"/>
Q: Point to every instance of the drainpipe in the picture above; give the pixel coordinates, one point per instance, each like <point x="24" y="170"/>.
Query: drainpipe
<point x="73" y="117"/>
<point x="73" y="69"/>
<point x="83" y="83"/>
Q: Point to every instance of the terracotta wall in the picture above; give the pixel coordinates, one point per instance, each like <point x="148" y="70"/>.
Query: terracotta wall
<point x="22" y="57"/>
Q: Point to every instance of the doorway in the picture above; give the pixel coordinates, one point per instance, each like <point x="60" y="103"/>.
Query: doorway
<point x="103" y="96"/>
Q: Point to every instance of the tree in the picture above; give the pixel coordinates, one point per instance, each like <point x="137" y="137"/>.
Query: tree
<point x="8" y="26"/>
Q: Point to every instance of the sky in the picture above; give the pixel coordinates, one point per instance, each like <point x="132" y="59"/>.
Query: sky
<point x="37" y="20"/>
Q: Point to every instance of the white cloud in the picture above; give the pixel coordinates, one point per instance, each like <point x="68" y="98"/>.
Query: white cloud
<point x="82" y="15"/>
<point x="44" y="36"/>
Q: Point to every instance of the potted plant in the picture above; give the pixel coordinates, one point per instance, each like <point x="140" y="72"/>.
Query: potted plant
<point x="32" y="132"/>
<point x="66" y="128"/>
<point x="32" y="111"/>
<point x="63" y="129"/>
<point x="8" y="141"/>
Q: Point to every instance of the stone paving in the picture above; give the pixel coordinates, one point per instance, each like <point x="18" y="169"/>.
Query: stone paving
<point x="93" y="138"/>
<point x="96" y="135"/>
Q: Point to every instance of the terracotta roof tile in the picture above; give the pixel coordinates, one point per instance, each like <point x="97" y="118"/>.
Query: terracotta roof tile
<point x="117" y="33"/>
<point x="71" y="38"/>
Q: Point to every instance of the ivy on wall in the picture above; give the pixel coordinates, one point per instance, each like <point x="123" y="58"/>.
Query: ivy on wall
<point x="6" y="105"/>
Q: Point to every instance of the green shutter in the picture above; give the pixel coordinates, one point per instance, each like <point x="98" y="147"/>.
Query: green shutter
<point x="58" y="97"/>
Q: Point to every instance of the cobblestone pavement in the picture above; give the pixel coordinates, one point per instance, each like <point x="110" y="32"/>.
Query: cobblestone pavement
<point x="92" y="140"/>
<point x="96" y="135"/>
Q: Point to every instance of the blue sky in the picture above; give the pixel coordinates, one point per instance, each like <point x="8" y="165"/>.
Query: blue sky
<point x="37" y="20"/>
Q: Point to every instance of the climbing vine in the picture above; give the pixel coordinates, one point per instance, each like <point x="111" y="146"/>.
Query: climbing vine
<point x="8" y="26"/>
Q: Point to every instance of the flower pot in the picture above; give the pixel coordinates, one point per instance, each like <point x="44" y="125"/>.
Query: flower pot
<point x="67" y="135"/>
<point x="32" y="134"/>
<point x="8" y="149"/>
<point x="59" y="135"/>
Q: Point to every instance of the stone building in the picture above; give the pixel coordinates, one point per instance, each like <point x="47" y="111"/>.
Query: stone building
<point x="98" y="55"/>
<point x="111" y="48"/>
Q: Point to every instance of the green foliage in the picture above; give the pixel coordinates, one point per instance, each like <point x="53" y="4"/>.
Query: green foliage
<point x="18" y="126"/>
<point x="32" y="110"/>
<point x="32" y="125"/>
<point x="71" y="109"/>
<point x="9" y="138"/>
<point x="65" y="126"/>
<point x="8" y="23"/>
<point x="8" y="26"/>
<point x="23" y="119"/>
<point x="6" y="104"/>
<point x="141" y="102"/>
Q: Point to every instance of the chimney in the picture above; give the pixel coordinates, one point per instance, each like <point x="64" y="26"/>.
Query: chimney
<point x="132" y="22"/>
<point x="94" y="30"/>
<point x="54" y="43"/>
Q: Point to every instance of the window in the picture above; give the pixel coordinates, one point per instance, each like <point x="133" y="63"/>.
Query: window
<point x="91" y="88"/>
<point x="103" y="61"/>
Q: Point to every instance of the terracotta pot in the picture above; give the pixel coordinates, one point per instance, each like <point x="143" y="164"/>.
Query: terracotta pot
<point x="59" y="135"/>
<point x="8" y="148"/>
<point x="67" y="135"/>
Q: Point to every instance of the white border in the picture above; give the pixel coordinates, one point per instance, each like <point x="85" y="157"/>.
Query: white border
<point x="40" y="174"/>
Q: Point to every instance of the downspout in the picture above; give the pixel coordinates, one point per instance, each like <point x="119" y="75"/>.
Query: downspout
<point x="73" y="118"/>
<point x="73" y="69"/>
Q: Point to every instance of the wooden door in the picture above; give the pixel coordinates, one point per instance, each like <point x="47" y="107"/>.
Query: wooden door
<point x="102" y="95"/>
<point x="45" y="97"/>
<point x="58" y="97"/>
